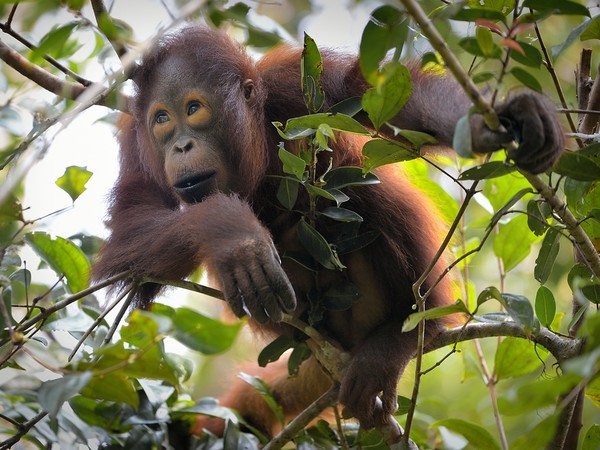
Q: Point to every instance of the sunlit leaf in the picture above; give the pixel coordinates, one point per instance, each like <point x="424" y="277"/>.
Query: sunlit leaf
<point x="63" y="257"/>
<point x="379" y="152"/>
<point x="387" y="98"/>
<point x="114" y="387"/>
<point x="513" y="242"/>
<point x="292" y="164"/>
<point x="516" y="357"/>
<point x="591" y="440"/>
<point x="201" y="333"/>
<point x="592" y="30"/>
<point x="73" y="181"/>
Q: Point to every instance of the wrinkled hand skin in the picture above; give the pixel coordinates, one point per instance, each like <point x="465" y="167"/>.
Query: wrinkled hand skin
<point x="530" y="120"/>
<point x="254" y="282"/>
<point x="369" y="388"/>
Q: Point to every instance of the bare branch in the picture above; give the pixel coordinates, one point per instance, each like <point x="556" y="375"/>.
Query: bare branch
<point x="562" y="348"/>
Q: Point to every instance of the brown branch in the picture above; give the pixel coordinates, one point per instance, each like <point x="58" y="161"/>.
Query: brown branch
<point x="590" y="122"/>
<point x="23" y="429"/>
<point x="299" y="422"/>
<point x="100" y="11"/>
<point x="562" y="348"/>
<point x="6" y="28"/>
<point x="54" y="84"/>
<point x="584" y="81"/>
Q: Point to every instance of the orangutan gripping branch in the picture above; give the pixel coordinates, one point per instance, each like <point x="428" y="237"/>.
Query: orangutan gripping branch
<point x="194" y="190"/>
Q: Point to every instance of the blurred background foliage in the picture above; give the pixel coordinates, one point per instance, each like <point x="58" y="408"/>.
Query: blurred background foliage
<point x="78" y="369"/>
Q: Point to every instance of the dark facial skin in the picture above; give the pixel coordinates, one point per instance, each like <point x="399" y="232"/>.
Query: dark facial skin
<point x="183" y="123"/>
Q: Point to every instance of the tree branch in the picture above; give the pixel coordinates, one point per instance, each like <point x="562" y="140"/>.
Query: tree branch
<point x="101" y="14"/>
<point x="54" y="84"/>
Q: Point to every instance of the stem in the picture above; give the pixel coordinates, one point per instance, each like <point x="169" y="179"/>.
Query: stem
<point x="490" y="382"/>
<point x="299" y="422"/>
<point x="439" y="44"/>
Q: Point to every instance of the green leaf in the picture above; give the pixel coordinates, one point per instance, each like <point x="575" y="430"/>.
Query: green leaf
<point x="581" y="279"/>
<point x="547" y="255"/>
<point x="572" y="37"/>
<point x="114" y="29"/>
<point x="526" y="78"/>
<point x="202" y="333"/>
<point x="384" y="101"/>
<point x="531" y="58"/>
<point x="521" y="311"/>
<point x="273" y="351"/>
<point x="345" y="176"/>
<point x="287" y="193"/>
<point x="53" y="42"/>
<point x="54" y="393"/>
<point x="485" y="41"/>
<point x="292" y="164"/>
<point x="471" y="46"/>
<point x="539" y="436"/>
<point x="317" y="191"/>
<point x="536" y="221"/>
<point x="536" y="395"/>
<point x="489" y="293"/>
<point x="566" y="7"/>
<point x="416" y="138"/>
<point x="462" y="140"/>
<point x="299" y="354"/>
<point x="508" y="205"/>
<point x="577" y="166"/>
<point x="341" y="214"/>
<point x="516" y="357"/>
<point x="311" y="69"/>
<point x="379" y="152"/>
<point x="349" y="107"/>
<point x="73" y="181"/>
<point x="317" y="246"/>
<point x="265" y="392"/>
<point x="591" y="441"/>
<point x="513" y="242"/>
<point x="472" y="14"/>
<point x="592" y="30"/>
<point x="113" y="386"/>
<point x="340" y="122"/>
<point x="545" y="306"/>
<point x="387" y="29"/>
<point x="477" y="436"/>
<point x="434" y="313"/>
<point x="63" y="257"/>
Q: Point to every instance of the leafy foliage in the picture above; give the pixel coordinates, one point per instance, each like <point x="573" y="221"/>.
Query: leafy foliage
<point x="72" y="373"/>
